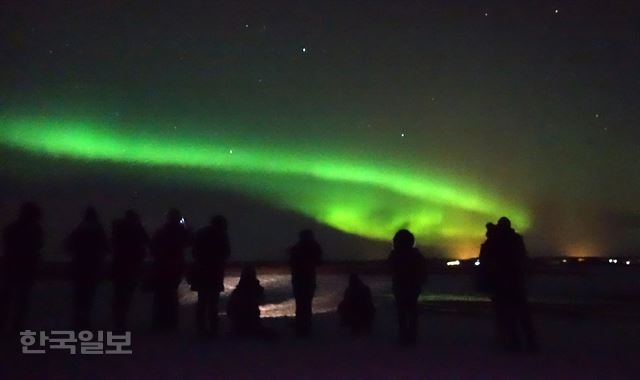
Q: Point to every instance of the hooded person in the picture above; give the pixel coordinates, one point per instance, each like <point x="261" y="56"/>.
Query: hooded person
<point x="356" y="310"/>
<point x="243" y="306"/>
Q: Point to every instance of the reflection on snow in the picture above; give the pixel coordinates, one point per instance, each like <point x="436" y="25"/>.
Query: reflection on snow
<point x="280" y="302"/>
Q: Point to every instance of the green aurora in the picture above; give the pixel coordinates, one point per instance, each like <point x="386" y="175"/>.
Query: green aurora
<point x="367" y="198"/>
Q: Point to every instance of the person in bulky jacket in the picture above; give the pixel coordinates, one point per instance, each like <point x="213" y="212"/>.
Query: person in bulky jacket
<point x="243" y="306"/>
<point x="408" y="274"/>
<point x="88" y="247"/>
<point x="22" y="242"/>
<point x="211" y="249"/>
<point x="304" y="257"/>
<point x="130" y="242"/>
<point x="167" y="248"/>
<point x="356" y="310"/>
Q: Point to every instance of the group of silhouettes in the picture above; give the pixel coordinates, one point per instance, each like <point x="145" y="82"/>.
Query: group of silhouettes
<point x="502" y="276"/>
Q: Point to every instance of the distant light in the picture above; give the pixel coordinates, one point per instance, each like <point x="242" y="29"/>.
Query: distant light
<point x="628" y="262"/>
<point x="486" y="14"/>
<point x="304" y="49"/>
<point x="611" y="260"/>
<point x="564" y="260"/>
<point x="453" y="263"/>
<point x="556" y="11"/>
<point x="477" y="263"/>
<point x="581" y="259"/>
<point x="230" y="151"/>
<point x="246" y="25"/>
<point x="182" y="221"/>
<point x="402" y="135"/>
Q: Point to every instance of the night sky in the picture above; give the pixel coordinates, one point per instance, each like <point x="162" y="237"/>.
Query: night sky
<point x="353" y="118"/>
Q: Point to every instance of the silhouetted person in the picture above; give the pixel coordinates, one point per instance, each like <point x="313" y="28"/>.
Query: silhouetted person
<point x="211" y="250"/>
<point x="487" y="260"/>
<point x="408" y="273"/>
<point x="356" y="310"/>
<point x="22" y="242"/>
<point x="509" y="289"/>
<point x="87" y="245"/>
<point x="304" y="257"/>
<point x="243" y="306"/>
<point x="130" y="242"/>
<point x="167" y="248"/>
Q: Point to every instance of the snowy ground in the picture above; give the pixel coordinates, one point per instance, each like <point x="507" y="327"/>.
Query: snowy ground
<point x="455" y="340"/>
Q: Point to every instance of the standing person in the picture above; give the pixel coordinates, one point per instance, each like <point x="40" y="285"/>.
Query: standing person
<point x="486" y="273"/>
<point x="22" y="242"/>
<point x="304" y="257"/>
<point x="88" y="246"/>
<point x="211" y="249"/>
<point x="167" y="248"/>
<point x="487" y="259"/>
<point x="130" y="241"/>
<point x="408" y="273"/>
<point x="356" y="310"/>
<point x="510" y="293"/>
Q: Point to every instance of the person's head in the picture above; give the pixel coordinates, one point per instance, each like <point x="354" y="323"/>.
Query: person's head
<point x="219" y="222"/>
<point x="90" y="214"/>
<point x="403" y="239"/>
<point x="132" y="216"/>
<point x="248" y="273"/>
<point x="490" y="229"/>
<point x="504" y="223"/>
<point x="174" y="216"/>
<point x="30" y="211"/>
<point x="306" y="235"/>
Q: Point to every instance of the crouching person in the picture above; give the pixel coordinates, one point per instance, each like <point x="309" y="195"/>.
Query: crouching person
<point x="243" y="306"/>
<point x="356" y="309"/>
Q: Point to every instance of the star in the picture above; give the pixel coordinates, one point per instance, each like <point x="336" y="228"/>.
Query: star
<point x="556" y="11"/>
<point x="486" y="14"/>
<point x="597" y="115"/>
<point x="304" y="49"/>
<point x="402" y="134"/>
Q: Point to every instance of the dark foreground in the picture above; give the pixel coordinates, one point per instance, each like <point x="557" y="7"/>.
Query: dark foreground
<point x="455" y="342"/>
